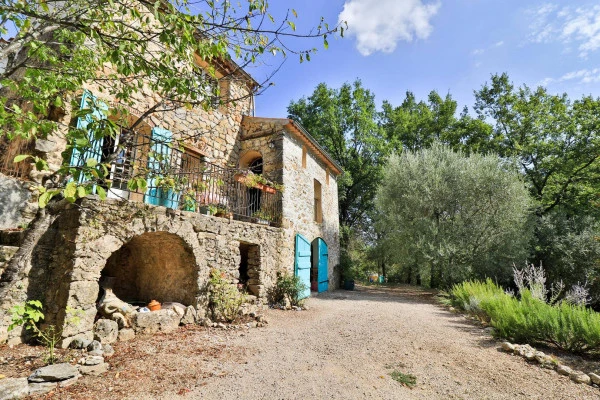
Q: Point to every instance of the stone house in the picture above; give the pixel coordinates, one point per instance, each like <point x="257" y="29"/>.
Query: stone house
<point x="161" y="243"/>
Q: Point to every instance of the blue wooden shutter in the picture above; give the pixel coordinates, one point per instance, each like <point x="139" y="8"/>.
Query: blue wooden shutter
<point x="302" y="263"/>
<point x="94" y="148"/>
<point x="159" y="164"/>
<point x="323" y="266"/>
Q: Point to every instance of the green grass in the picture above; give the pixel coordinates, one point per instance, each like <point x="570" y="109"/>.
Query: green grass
<point x="407" y="380"/>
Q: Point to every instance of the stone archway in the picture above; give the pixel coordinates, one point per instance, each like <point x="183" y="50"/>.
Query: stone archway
<point x="154" y="265"/>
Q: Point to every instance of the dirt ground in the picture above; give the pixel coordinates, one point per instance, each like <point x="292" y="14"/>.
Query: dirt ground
<point x="344" y="347"/>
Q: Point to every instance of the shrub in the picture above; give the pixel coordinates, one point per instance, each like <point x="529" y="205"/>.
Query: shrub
<point x="568" y="326"/>
<point x="225" y="299"/>
<point x="31" y="313"/>
<point x="288" y="287"/>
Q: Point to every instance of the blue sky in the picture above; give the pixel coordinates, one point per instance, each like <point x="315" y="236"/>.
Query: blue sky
<point x="452" y="46"/>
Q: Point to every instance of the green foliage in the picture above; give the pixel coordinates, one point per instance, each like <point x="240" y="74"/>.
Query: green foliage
<point x="344" y="122"/>
<point x="288" y="287"/>
<point x="554" y="139"/>
<point x="125" y="50"/>
<point x="569" y="248"/>
<point x="453" y="217"/>
<point x="225" y="299"/>
<point x="30" y="314"/>
<point x="407" y="380"/>
<point x="569" y="327"/>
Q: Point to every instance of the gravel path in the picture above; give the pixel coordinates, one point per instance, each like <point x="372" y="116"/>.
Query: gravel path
<point x="347" y="344"/>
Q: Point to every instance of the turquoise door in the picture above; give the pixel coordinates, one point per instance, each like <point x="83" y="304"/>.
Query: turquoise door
<point x="93" y="149"/>
<point x="322" y="265"/>
<point x="302" y="263"/>
<point x="159" y="165"/>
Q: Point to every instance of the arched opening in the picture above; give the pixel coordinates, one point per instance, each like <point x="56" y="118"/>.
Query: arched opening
<point x="253" y="161"/>
<point x="154" y="265"/>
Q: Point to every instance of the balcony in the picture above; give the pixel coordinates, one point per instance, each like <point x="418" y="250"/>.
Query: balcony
<point x="183" y="180"/>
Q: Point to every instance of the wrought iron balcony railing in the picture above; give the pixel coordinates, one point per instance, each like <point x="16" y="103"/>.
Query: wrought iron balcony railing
<point x="183" y="180"/>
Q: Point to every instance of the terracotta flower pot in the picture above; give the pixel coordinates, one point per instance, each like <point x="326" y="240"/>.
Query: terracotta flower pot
<point x="154" y="305"/>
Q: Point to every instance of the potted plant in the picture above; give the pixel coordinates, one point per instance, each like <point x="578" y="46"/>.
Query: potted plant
<point x="222" y="211"/>
<point x="209" y="209"/>
<point x="257" y="181"/>
<point x="261" y="217"/>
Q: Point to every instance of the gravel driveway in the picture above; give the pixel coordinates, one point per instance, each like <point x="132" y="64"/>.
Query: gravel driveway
<point x="347" y="343"/>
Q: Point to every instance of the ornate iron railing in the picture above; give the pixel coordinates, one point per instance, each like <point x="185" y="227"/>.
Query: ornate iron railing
<point x="185" y="181"/>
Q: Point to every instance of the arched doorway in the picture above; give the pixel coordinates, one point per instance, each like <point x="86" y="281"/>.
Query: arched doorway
<point x="154" y="265"/>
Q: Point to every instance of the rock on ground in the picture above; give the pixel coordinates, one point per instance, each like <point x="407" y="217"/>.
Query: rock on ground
<point x="95" y="370"/>
<point x="106" y="331"/>
<point x="152" y="322"/>
<point x="13" y="388"/>
<point x="53" y="373"/>
<point x="126" y="334"/>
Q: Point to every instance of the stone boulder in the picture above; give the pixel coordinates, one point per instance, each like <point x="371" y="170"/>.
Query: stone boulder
<point x="53" y="373"/>
<point x="580" y="377"/>
<point x="94" y="370"/>
<point x="126" y="334"/>
<point x="13" y="388"/>
<point x="564" y="370"/>
<point x="155" y="321"/>
<point x="106" y="331"/>
<point x="595" y="378"/>
<point x="189" y="317"/>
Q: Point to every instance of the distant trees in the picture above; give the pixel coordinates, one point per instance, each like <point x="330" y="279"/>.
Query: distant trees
<point x="552" y="142"/>
<point x="451" y="217"/>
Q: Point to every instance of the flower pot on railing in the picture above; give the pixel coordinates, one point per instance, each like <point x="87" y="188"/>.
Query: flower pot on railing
<point x="268" y="189"/>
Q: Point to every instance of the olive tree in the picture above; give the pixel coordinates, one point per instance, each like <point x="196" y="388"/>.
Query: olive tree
<point x="451" y="217"/>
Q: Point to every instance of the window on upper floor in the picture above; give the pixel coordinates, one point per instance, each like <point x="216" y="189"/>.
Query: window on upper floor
<point x="318" y="208"/>
<point x="303" y="156"/>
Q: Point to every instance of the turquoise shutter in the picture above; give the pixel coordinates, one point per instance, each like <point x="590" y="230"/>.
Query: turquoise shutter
<point x="302" y="263"/>
<point x="94" y="149"/>
<point x="323" y="266"/>
<point x="159" y="165"/>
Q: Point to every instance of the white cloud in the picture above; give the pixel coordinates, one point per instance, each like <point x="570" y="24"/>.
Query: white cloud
<point x="500" y="43"/>
<point x="378" y="25"/>
<point x="582" y="76"/>
<point x="478" y="52"/>
<point x="579" y="25"/>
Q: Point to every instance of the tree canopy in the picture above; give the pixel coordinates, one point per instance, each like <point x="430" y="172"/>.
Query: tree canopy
<point x="555" y="140"/>
<point x="450" y="217"/>
<point x="126" y="48"/>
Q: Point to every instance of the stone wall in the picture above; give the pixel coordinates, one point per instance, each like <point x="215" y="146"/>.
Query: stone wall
<point x="15" y="206"/>
<point x="85" y="241"/>
<point x="298" y="202"/>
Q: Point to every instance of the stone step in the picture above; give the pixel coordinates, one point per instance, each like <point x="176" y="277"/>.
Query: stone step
<point x="6" y="253"/>
<point x="12" y="237"/>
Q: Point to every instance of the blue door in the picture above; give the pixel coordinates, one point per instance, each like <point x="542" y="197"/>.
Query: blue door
<point x="159" y="165"/>
<point x="93" y="149"/>
<point x="322" y="257"/>
<point x="302" y="263"/>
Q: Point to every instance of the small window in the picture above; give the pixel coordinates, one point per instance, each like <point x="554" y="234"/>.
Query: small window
<point x="318" y="209"/>
<point x="327" y="177"/>
<point x="303" y="156"/>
